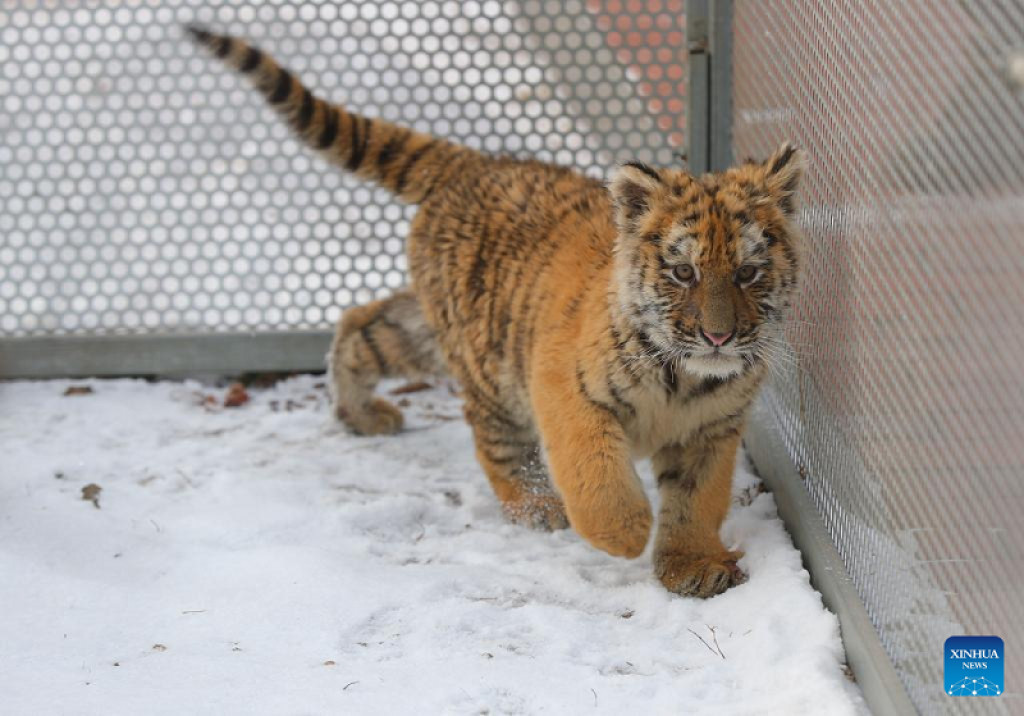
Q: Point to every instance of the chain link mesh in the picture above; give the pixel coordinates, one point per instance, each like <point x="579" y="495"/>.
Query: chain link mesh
<point x="903" y="406"/>
<point x="146" y="189"/>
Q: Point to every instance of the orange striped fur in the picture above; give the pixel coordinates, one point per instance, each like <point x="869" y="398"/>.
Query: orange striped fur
<point x="588" y="325"/>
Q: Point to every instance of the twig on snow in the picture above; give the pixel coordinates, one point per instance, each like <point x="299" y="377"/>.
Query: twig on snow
<point x="716" y="651"/>
<point x="715" y="637"/>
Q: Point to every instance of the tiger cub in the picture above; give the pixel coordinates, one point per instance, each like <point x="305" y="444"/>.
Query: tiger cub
<point x="587" y="325"/>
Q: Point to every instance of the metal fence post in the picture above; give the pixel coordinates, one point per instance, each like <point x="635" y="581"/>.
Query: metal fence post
<point x="698" y="141"/>
<point x="709" y="108"/>
<point x="720" y="85"/>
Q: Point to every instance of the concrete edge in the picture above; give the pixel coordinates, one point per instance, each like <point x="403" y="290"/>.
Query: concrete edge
<point x="175" y="354"/>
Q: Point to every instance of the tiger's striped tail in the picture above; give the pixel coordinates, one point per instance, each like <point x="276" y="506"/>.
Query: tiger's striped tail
<point x="409" y="163"/>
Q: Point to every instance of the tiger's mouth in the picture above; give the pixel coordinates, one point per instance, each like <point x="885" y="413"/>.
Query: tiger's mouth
<point x="714" y="363"/>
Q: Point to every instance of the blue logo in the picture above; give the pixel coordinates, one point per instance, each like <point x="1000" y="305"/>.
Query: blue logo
<point x="974" y="666"/>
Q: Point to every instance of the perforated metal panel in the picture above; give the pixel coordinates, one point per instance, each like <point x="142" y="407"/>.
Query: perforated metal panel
<point x="903" y="406"/>
<point x="145" y="189"/>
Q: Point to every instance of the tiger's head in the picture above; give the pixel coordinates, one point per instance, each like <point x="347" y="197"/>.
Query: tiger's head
<point x="705" y="266"/>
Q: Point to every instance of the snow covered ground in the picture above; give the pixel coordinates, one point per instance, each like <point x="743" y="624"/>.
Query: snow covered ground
<point x="259" y="559"/>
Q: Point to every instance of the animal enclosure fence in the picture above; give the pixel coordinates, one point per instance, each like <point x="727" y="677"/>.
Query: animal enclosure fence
<point x="151" y="193"/>
<point x="155" y="217"/>
<point x="903" y="408"/>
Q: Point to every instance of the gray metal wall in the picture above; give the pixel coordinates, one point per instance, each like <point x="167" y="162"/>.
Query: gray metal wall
<point x="902" y="405"/>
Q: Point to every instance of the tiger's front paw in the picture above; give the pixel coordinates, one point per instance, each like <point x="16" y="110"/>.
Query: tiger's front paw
<point x="378" y="417"/>
<point x="540" y="512"/>
<point x="699" y="576"/>
<point x="619" y="526"/>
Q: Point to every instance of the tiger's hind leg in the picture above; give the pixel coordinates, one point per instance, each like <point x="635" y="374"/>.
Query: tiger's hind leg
<point x="513" y="462"/>
<point x="383" y="339"/>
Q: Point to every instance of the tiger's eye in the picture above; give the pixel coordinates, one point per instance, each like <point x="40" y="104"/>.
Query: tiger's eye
<point x="746" y="274"/>
<point x="683" y="273"/>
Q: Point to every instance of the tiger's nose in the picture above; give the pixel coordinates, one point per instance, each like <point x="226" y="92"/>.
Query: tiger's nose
<point x="717" y="339"/>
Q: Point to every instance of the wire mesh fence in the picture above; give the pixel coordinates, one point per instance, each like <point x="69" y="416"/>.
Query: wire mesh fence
<point x="147" y="190"/>
<point x="903" y="407"/>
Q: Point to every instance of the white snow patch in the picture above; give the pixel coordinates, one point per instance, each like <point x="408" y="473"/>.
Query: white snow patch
<point x="257" y="546"/>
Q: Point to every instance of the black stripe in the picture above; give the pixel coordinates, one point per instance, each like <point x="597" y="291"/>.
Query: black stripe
<point x="223" y="47"/>
<point x="252" y="60"/>
<point x="486" y="407"/>
<point x="403" y="175"/>
<point x="689" y="217"/>
<point x="330" y="130"/>
<point x="305" y="112"/>
<point x="393" y="325"/>
<point x="620" y="342"/>
<point x="519" y="342"/>
<point x="687" y="475"/>
<point x="507" y="442"/>
<point x="590" y="398"/>
<point x="200" y="33"/>
<point x="358" y="147"/>
<point x="670" y="475"/>
<point x="492" y="413"/>
<point x="645" y="169"/>
<point x="649" y="346"/>
<point x="574" y="306"/>
<point x="678" y="479"/>
<point x="502" y="459"/>
<point x="475" y="276"/>
<point x="353" y="137"/>
<point x="618" y="398"/>
<point x="371" y="343"/>
<point x="782" y="160"/>
<point x="390" y="150"/>
<point x="707" y="386"/>
<point x="494" y="417"/>
<point x="283" y="88"/>
<point x="708" y="431"/>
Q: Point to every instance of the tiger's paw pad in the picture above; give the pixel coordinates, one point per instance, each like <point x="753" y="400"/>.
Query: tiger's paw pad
<point x="702" y="577"/>
<point x="539" y="512"/>
<point x="379" y="417"/>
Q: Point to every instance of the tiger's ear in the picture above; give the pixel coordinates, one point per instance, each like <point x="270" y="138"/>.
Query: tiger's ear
<point x="782" y="172"/>
<point x="634" y="188"/>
